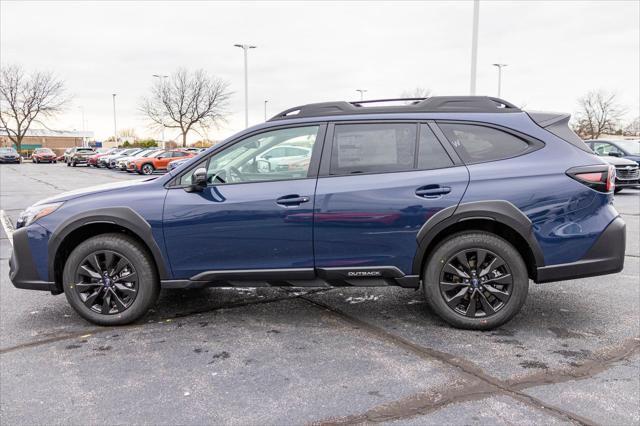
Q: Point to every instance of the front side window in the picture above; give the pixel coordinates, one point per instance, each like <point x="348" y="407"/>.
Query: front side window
<point x="603" y="148"/>
<point x="477" y="144"/>
<point x="250" y="161"/>
<point x="373" y="148"/>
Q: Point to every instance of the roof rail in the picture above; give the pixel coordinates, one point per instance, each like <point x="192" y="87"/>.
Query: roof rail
<point x="432" y="104"/>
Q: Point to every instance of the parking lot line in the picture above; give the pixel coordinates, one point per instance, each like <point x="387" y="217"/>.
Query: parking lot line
<point x="7" y="226"/>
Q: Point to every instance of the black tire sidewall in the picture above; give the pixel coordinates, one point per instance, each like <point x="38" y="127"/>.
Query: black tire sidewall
<point x="148" y="285"/>
<point x="468" y="240"/>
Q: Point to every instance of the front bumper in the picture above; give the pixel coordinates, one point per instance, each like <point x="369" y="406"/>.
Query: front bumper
<point x="22" y="269"/>
<point x="606" y="256"/>
<point x="9" y="160"/>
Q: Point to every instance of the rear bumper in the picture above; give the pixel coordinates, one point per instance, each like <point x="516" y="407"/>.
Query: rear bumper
<point x="606" y="256"/>
<point x="22" y="269"/>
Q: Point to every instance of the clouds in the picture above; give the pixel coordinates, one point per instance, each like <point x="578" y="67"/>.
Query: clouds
<point x="310" y="52"/>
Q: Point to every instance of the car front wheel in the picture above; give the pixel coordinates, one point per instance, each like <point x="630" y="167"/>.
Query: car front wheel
<point x="475" y="280"/>
<point x="110" y="279"/>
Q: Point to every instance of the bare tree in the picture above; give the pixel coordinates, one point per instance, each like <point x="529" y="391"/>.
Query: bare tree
<point x="186" y="100"/>
<point x="417" y="92"/>
<point x="24" y="98"/>
<point x="599" y="113"/>
<point x="632" y="128"/>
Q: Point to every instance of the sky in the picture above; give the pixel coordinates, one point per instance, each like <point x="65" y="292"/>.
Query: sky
<point x="322" y="51"/>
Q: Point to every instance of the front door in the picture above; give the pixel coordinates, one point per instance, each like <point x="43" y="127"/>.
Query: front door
<point x="384" y="181"/>
<point x="253" y="215"/>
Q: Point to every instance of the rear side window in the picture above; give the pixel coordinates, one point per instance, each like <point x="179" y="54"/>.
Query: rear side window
<point x="431" y="155"/>
<point x="477" y="144"/>
<point x="373" y="148"/>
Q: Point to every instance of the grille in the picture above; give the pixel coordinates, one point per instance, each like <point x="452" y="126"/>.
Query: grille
<point x="623" y="173"/>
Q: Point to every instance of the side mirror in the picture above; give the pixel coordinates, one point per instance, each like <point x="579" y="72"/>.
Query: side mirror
<point x="198" y="180"/>
<point x="263" y="166"/>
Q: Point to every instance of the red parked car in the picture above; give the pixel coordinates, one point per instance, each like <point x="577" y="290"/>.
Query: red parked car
<point x="93" y="160"/>
<point x="44" y="155"/>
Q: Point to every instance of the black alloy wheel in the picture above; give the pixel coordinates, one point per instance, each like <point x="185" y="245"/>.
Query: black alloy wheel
<point x="476" y="283"/>
<point x="106" y="282"/>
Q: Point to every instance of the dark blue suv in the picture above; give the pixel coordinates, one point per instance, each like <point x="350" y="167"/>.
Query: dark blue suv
<point x="466" y="197"/>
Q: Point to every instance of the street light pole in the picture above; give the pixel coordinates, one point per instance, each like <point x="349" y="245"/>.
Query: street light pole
<point x="362" y="92"/>
<point x="84" y="140"/>
<point x="474" y="46"/>
<point x="265" y="109"/>
<point x="500" y="66"/>
<point x="115" y="127"/>
<point x="245" y="48"/>
<point x="161" y="77"/>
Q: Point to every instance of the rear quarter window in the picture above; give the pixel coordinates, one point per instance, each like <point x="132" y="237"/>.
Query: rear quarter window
<point x="479" y="144"/>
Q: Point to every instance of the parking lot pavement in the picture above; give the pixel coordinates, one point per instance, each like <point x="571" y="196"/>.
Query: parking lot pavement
<point x="289" y="356"/>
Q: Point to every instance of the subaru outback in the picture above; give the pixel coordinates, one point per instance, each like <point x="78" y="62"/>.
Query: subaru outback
<point x="465" y="198"/>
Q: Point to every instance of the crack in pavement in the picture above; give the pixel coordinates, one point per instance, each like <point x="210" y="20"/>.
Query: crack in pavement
<point x="489" y="385"/>
<point x="100" y="330"/>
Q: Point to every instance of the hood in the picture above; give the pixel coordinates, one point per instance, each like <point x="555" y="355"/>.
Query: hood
<point x="65" y="196"/>
<point x="617" y="161"/>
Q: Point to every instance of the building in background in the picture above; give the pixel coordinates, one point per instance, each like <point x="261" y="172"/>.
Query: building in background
<point x="57" y="140"/>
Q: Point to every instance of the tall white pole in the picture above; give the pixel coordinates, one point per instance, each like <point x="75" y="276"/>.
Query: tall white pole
<point x="161" y="77"/>
<point x="474" y="46"/>
<point x="246" y="88"/>
<point x="500" y="66"/>
<point x="362" y="92"/>
<point x="84" y="139"/>
<point x="245" y="48"/>
<point x="265" y="109"/>
<point x="115" y="127"/>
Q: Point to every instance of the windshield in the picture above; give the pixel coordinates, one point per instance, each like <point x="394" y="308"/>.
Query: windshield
<point x="8" y="151"/>
<point x="84" y="150"/>
<point x="632" y="147"/>
<point x="44" y="151"/>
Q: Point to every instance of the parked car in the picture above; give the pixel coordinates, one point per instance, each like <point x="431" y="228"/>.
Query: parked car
<point x="148" y="165"/>
<point x="467" y="198"/>
<point x="43" y="155"/>
<point x="94" y="159"/>
<point x="627" y="173"/>
<point x="129" y="161"/>
<point x="174" y="163"/>
<point x="113" y="159"/>
<point x="78" y="155"/>
<point x="629" y="149"/>
<point x="9" y="155"/>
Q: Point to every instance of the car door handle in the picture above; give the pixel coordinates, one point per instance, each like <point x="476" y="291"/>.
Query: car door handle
<point x="432" y="191"/>
<point x="292" y="200"/>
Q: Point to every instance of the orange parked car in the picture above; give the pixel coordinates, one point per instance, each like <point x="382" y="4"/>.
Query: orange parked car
<point x="148" y="165"/>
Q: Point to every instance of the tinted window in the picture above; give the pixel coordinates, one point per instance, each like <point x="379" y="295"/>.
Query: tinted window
<point x="431" y="155"/>
<point x="476" y="144"/>
<point x="373" y="148"/>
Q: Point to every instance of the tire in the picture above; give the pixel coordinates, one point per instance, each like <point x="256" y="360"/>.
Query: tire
<point x="617" y="190"/>
<point x="437" y="270"/>
<point x="36" y="161"/>
<point x="68" y="164"/>
<point x="147" y="169"/>
<point x="73" y="164"/>
<point x="137" y="302"/>
<point x="55" y="161"/>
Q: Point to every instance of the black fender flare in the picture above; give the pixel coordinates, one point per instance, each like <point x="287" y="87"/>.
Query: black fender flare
<point x="500" y="211"/>
<point x="121" y="216"/>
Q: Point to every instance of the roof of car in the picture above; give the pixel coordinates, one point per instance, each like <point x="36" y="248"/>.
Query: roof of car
<point x="482" y="104"/>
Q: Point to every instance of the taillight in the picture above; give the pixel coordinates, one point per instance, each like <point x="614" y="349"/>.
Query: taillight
<point x="601" y="177"/>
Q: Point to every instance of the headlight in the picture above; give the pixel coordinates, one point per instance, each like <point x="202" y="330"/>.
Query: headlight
<point x="34" y="213"/>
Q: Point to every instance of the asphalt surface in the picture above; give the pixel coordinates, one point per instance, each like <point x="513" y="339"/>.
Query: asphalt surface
<point x="276" y="356"/>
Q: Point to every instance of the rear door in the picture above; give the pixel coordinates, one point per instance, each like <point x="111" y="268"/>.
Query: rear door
<point x="379" y="183"/>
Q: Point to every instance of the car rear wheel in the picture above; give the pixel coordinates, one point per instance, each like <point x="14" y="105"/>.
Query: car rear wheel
<point x="147" y="169"/>
<point x="616" y="190"/>
<point x="110" y="279"/>
<point x="475" y="280"/>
